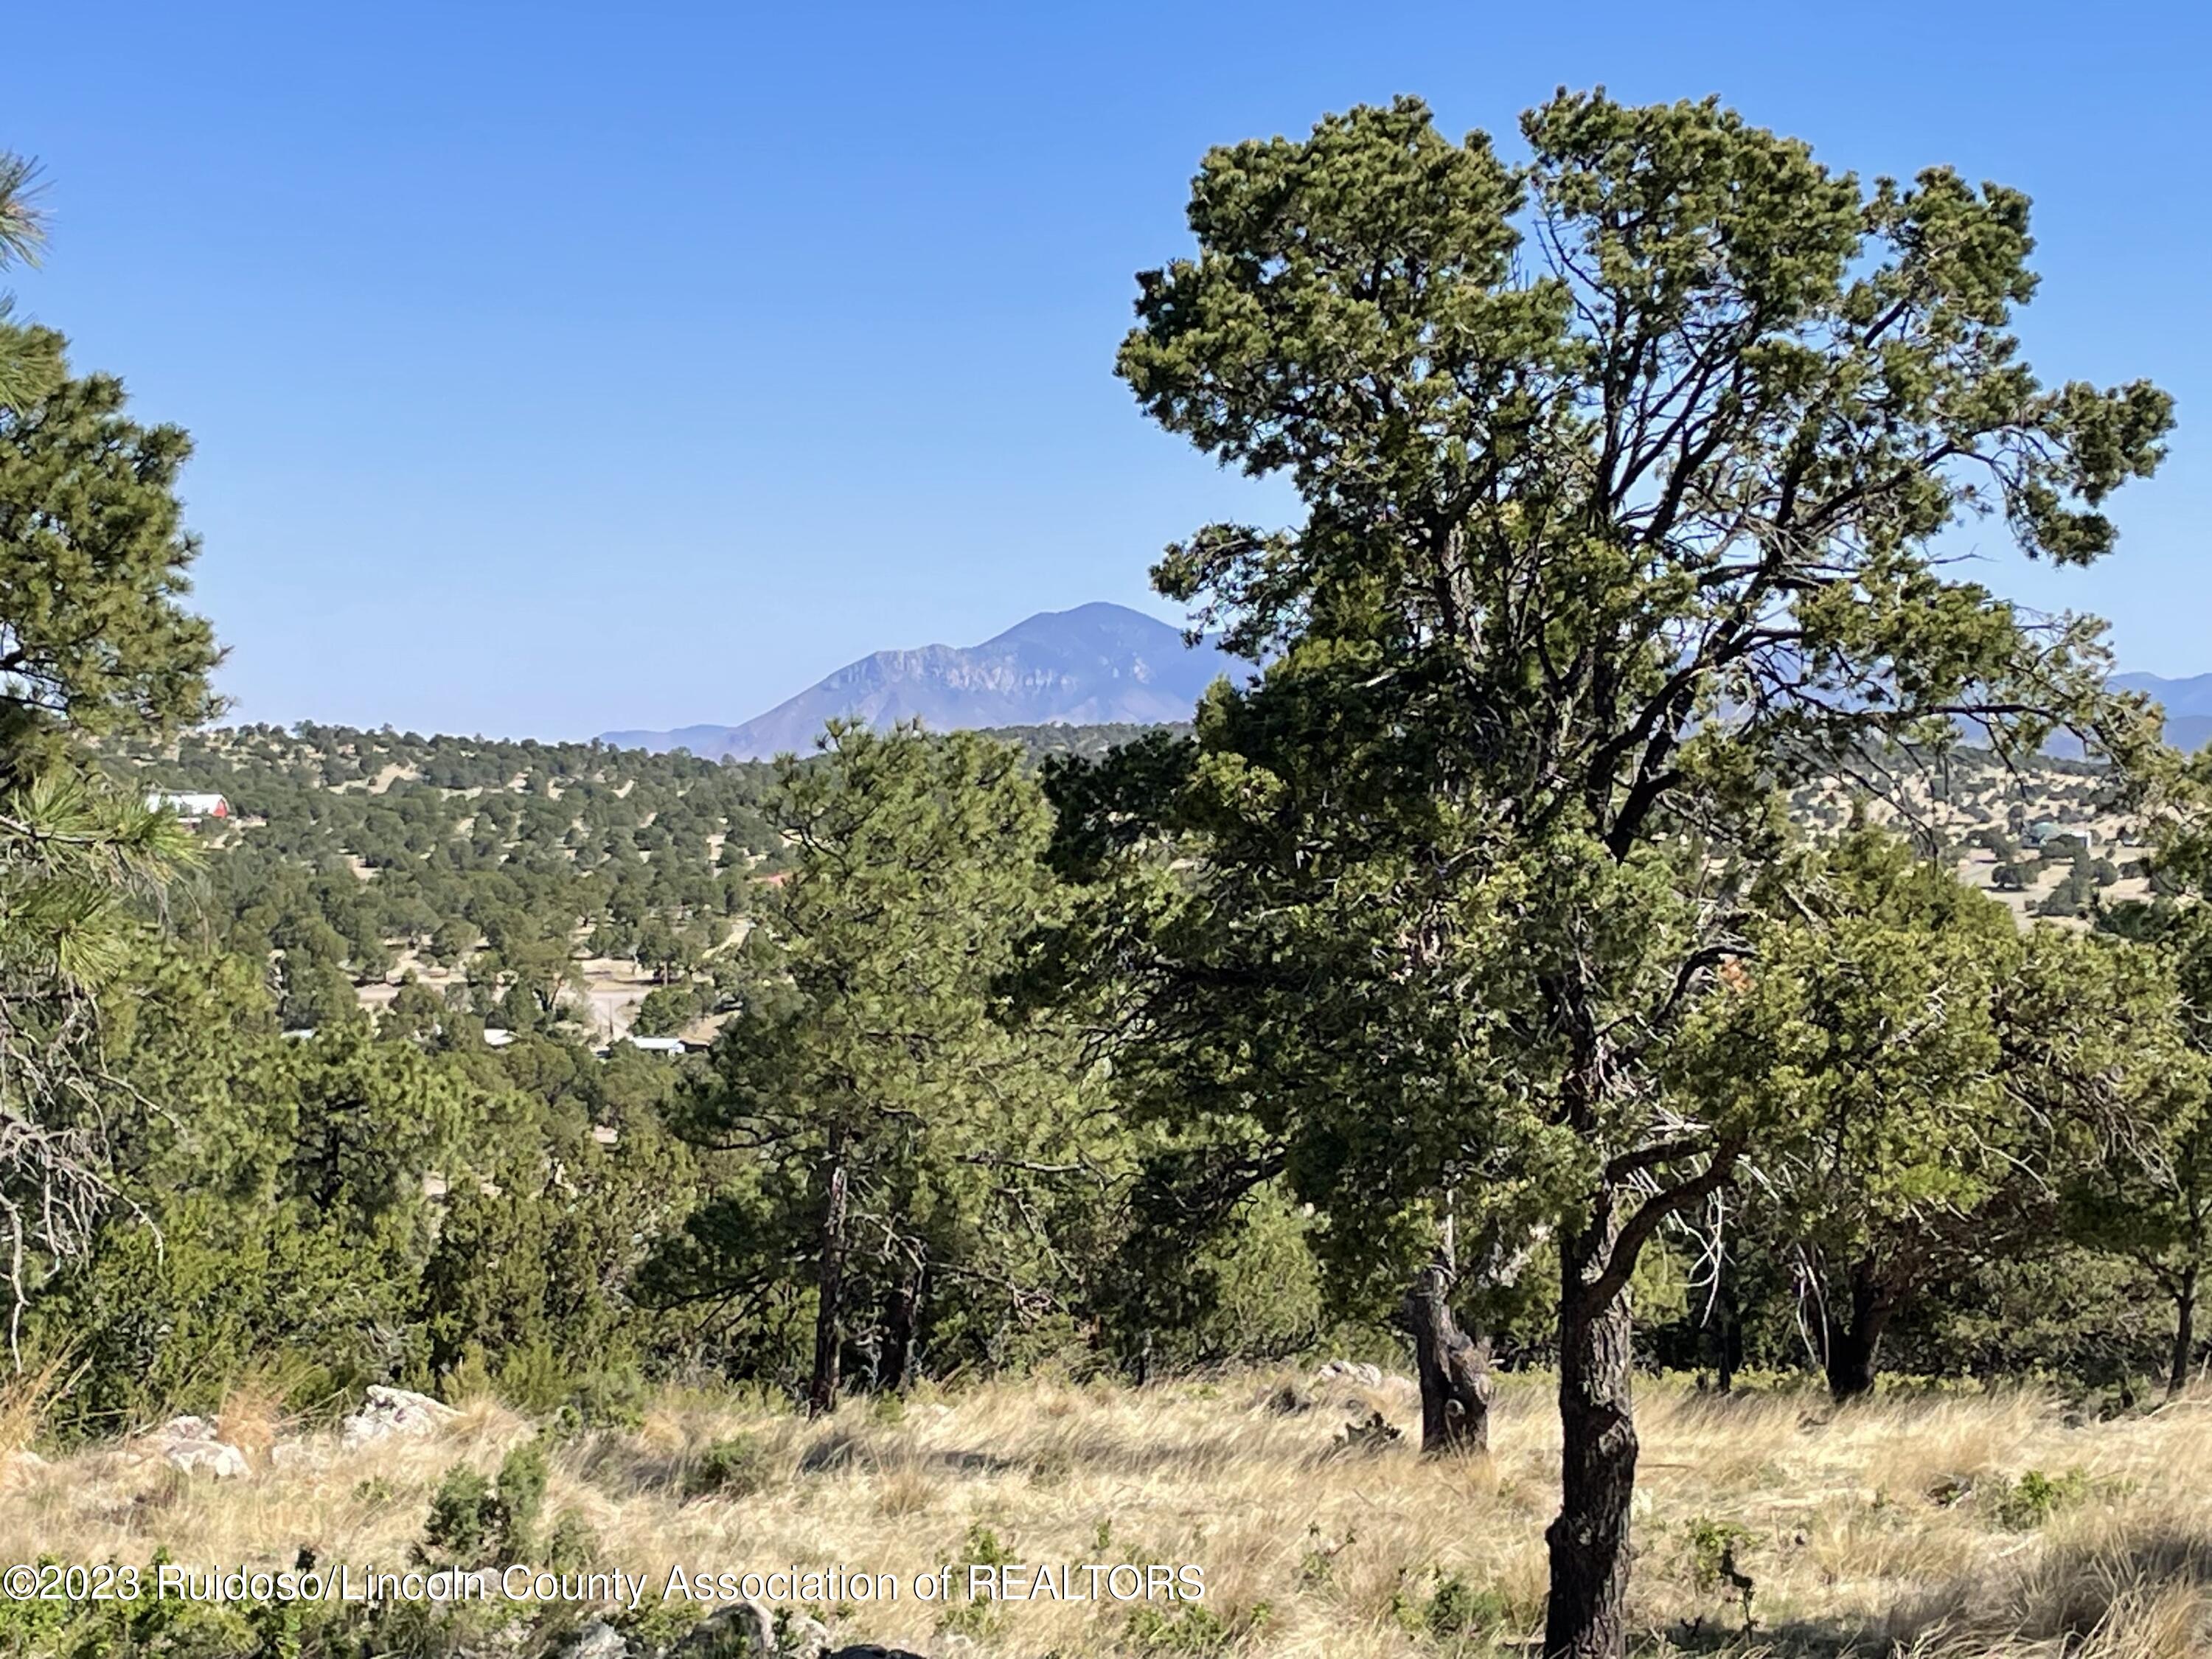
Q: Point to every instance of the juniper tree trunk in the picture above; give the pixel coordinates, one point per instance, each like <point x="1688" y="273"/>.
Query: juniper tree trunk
<point x="1586" y="1616"/>
<point x="1457" y="1387"/>
<point x="895" y="1369"/>
<point x="1727" y="1323"/>
<point x="2185" y="1331"/>
<point x="829" y="1292"/>
<point x="1853" y="1359"/>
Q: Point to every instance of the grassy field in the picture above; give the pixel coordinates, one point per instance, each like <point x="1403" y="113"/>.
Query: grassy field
<point x="1947" y="1525"/>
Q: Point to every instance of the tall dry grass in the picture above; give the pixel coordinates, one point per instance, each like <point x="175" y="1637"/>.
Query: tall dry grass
<point x="1902" y="1526"/>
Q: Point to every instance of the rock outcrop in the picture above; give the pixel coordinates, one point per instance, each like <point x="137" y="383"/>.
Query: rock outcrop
<point x="388" y="1411"/>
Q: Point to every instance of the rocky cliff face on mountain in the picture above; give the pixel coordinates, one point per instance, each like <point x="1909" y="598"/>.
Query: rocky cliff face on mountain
<point x="1096" y="664"/>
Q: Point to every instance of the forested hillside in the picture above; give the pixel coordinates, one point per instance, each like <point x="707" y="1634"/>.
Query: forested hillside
<point x="533" y="883"/>
<point x="542" y="881"/>
<point x="528" y="883"/>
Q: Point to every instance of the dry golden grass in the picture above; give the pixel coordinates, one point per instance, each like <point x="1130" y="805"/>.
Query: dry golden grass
<point x="23" y="1397"/>
<point x="1894" y="1528"/>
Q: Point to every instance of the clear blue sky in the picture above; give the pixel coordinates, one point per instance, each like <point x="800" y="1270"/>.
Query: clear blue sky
<point x="558" y="368"/>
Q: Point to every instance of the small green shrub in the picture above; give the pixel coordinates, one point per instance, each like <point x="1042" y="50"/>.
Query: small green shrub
<point x="571" y="1546"/>
<point x="1192" y="1628"/>
<point x="460" y="1524"/>
<point x="1716" y="1549"/>
<point x="977" y="1619"/>
<point x="2028" y="1502"/>
<point x="1450" y="1611"/>
<point x="521" y="1498"/>
<point x="474" y="1522"/>
<point x="1458" y="1608"/>
<point x="736" y="1467"/>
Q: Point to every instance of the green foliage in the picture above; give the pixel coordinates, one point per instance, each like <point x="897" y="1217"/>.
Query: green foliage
<point x="1621" y="473"/>
<point x="573" y="1546"/>
<point x="977" y="1619"/>
<point x="521" y="1499"/>
<point x="463" y="1519"/>
<point x="896" y="1135"/>
<point x="1193" y="1628"/>
<point x="2026" y="1503"/>
<point x="93" y="558"/>
<point x="1451" y="1610"/>
<point x="30" y="358"/>
<point x="355" y="854"/>
<point x="739" y="1466"/>
<point x="1715" y="1550"/>
<point x="93" y="561"/>
<point x="478" y="1523"/>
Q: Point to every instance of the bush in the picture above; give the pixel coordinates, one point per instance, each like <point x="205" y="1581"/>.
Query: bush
<point x="2033" y="1500"/>
<point x="460" y="1524"/>
<point x="736" y="1467"/>
<point x="1714" y="1549"/>
<point x="475" y="1523"/>
<point x="1454" y="1610"/>
<point x="522" y="1474"/>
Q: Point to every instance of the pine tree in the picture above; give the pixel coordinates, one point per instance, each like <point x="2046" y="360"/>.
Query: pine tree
<point x="889" y="1130"/>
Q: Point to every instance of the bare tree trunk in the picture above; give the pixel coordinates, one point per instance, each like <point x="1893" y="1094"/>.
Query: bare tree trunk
<point x="829" y="1292"/>
<point x="2185" y="1331"/>
<point x="1586" y="1616"/>
<point x="1853" y="1359"/>
<point x="1457" y="1387"/>
<point x="1727" y="1321"/>
<point x="894" y="1368"/>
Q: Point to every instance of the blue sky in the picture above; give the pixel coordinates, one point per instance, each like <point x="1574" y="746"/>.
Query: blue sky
<point x="557" y="369"/>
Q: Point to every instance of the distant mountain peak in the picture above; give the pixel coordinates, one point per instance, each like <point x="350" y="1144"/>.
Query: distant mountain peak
<point x="1097" y="664"/>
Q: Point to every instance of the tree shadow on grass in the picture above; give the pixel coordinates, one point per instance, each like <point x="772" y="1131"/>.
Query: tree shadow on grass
<point x="2067" y="1594"/>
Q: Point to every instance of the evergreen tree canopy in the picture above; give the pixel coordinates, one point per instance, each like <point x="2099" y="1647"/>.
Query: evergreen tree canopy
<point x="1623" y="473"/>
<point x="891" y="1131"/>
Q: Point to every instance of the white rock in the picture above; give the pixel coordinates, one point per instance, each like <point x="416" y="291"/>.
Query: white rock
<point x="387" y="1412"/>
<point x="1350" y="1370"/>
<point x="207" y="1457"/>
<point x="189" y="1443"/>
<point x="597" y="1640"/>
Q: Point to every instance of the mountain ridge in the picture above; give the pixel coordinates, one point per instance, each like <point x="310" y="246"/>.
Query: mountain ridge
<point x="2187" y="702"/>
<point x="1098" y="664"/>
<point x="1094" y="665"/>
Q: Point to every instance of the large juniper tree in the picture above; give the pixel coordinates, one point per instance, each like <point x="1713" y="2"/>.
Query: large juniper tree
<point x="1625" y="473"/>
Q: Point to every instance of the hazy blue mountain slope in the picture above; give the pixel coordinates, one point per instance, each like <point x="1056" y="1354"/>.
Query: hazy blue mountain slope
<point x="2187" y="702"/>
<point x="1096" y="664"/>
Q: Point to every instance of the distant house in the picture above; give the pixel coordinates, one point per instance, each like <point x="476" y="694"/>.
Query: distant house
<point x="189" y="808"/>
<point x="659" y="1045"/>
